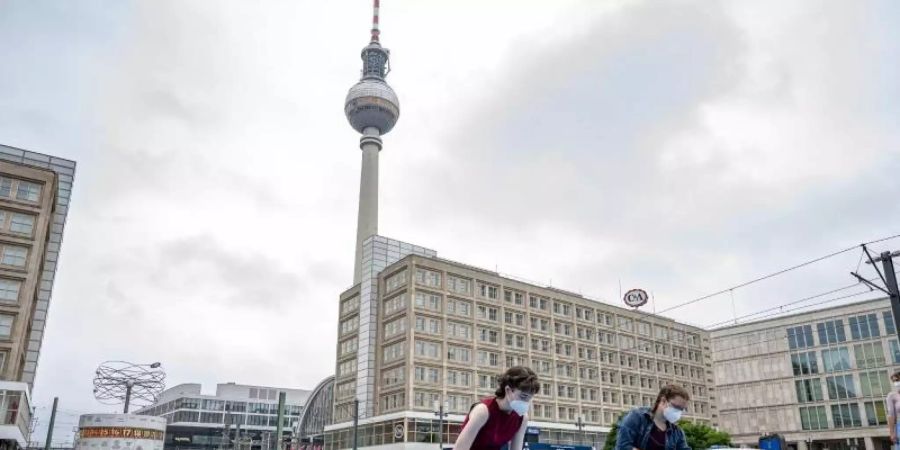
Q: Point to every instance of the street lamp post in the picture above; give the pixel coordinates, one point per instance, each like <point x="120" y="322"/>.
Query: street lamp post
<point x="440" y="411"/>
<point x="579" y="423"/>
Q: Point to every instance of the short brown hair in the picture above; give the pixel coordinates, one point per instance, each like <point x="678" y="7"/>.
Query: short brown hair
<point x="896" y="375"/>
<point x="519" y="377"/>
<point x="669" y="392"/>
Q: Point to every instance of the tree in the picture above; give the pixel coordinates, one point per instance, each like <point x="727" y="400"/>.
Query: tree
<point x="701" y="437"/>
<point x="610" y="443"/>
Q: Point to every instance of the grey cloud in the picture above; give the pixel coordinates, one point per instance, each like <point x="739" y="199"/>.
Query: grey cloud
<point x="249" y="279"/>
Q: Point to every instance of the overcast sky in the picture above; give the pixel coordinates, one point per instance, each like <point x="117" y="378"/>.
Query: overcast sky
<point x="682" y="147"/>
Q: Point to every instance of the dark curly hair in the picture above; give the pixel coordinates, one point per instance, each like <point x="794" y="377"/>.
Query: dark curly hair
<point x="519" y="377"/>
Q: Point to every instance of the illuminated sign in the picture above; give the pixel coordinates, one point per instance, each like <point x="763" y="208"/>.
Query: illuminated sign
<point x="122" y="432"/>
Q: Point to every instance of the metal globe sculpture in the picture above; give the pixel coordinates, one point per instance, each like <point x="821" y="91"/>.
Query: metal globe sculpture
<point x="118" y="382"/>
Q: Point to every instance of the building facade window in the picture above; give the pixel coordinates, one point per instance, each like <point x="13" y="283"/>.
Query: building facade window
<point x="869" y="355"/>
<point x="462" y="355"/>
<point x="875" y="413"/>
<point x="831" y="332"/>
<point x="488" y="291"/>
<point x="427" y="375"/>
<point x="805" y="363"/>
<point x="488" y="359"/>
<point x="836" y="359"/>
<point x="9" y="290"/>
<point x="538" y="302"/>
<point x="459" y="285"/>
<point x="846" y="415"/>
<point x="394" y="352"/>
<point x="809" y="390"/>
<point x="395" y="327"/>
<point x="428" y="325"/>
<point x="394" y="304"/>
<point x="6" y="324"/>
<point x="428" y="301"/>
<point x="396" y="281"/>
<point x="895" y="351"/>
<point x="889" y="327"/>
<point x="864" y="327"/>
<point x="840" y="387"/>
<point x="14" y="255"/>
<point x="428" y="278"/>
<point x="28" y="191"/>
<point x="428" y="350"/>
<point x="22" y="224"/>
<point x="350" y="305"/>
<point x="874" y="384"/>
<point x="459" y="307"/>
<point x="800" y="337"/>
<point x="813" y="418"/>
<point x="461" y="331"/>
<point x="486" y="313"/>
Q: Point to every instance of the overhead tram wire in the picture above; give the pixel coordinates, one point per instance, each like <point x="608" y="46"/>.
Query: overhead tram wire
<point x="643" y="315"/>
<point x="850" y="341"/>
<point x="684" y="341"/>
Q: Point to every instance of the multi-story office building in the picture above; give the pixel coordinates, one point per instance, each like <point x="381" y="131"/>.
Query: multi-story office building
<point x="819" y="378"/>
<point x="442" y="332"/>
<point x="235" y="412"/>
<point x="34" y="201"/>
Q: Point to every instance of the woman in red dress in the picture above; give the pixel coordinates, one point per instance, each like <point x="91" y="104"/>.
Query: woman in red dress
<point x="503" y="418"/>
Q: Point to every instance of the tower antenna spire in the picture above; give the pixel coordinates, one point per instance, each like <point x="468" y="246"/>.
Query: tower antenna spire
<point x="375" y="30"/>
<point x="372" y="108"/>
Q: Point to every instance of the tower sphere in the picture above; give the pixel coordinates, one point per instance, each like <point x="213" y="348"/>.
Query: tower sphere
<point x="372" y="103"/>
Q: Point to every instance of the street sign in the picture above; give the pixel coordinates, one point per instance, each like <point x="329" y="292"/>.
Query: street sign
<point x="636" y="298"/>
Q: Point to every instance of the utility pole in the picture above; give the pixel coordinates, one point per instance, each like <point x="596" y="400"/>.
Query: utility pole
<point x="355" y="423"/>
<point x="279" y="427"/>
<point x="52" y="422"/>
<point x="889" y="278"/>
<point x="439" y="410"/>
<point x="128" y="387"/>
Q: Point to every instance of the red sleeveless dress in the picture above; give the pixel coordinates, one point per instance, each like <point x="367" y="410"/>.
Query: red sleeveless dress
<point x="499" y="429"/>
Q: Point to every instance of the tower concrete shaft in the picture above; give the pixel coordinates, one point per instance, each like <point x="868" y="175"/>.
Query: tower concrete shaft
<point x="367" y="219"/>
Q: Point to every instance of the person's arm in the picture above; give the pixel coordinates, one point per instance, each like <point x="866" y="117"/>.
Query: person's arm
<point x="892" y="417"/>
<point x="681" y="443"/>
<point x="518" y="441"/>
<point x="626" y="437"/>
<point x="478" y="416"/>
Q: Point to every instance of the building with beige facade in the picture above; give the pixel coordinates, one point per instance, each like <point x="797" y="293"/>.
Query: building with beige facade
<point x="819" y="378"/>
<point x="441" y="332"/>
<point x="34" y="201"/>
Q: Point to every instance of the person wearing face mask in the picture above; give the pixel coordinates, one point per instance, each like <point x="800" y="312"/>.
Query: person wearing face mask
<point x="892" y="404"/>
<point x="655" y="428"/>
<point x="503" y="418"/>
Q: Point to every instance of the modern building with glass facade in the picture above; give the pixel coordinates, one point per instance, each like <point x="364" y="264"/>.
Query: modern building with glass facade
<point x="441" y="332"/>
<point x="819" y="378"/>
<point x="236" y="413"/>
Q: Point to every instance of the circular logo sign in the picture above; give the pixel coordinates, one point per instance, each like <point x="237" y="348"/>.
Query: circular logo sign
<point x="398" y="431"/>
<point x="636" y="298"/>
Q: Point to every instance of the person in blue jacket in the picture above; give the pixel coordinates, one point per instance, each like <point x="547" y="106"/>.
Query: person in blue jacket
<point x="655" y="428"/>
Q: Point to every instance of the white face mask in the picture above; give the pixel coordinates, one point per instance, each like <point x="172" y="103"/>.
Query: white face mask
<point x="897" y="385"/>
<point x="672" y="414"/>
<point x="517" y="405"/>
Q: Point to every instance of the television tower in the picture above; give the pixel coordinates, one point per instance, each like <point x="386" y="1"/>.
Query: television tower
<point x="372" y="108"/>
